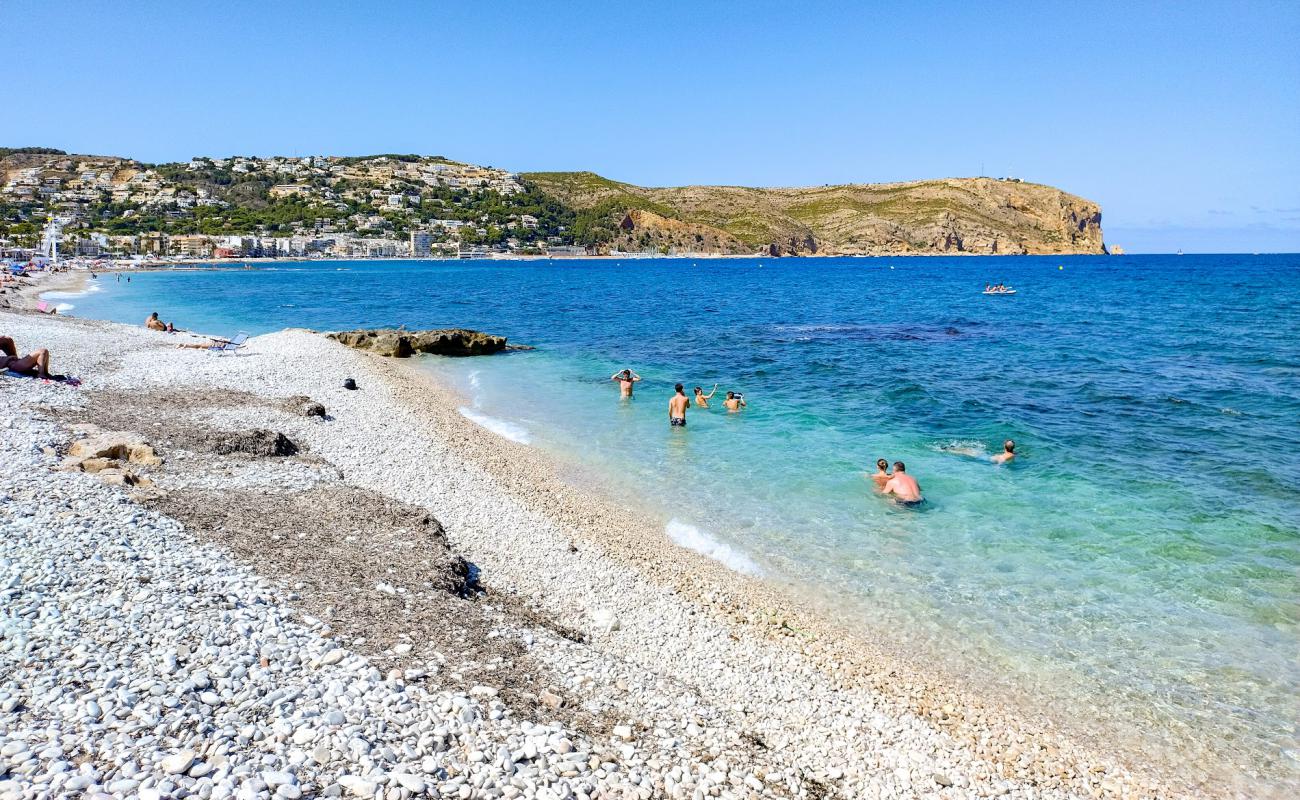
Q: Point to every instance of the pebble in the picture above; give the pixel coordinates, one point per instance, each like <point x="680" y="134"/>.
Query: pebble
<point x="177" y="763"/>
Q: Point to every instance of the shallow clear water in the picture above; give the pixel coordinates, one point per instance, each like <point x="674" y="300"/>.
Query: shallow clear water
<point x="1137" y="566"/>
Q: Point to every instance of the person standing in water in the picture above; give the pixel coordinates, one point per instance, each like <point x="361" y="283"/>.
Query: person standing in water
<point x="702" y="399"/>
<point x="677" y="408"/>
<point x="625" y="379"/>
<point x="1008" y="452"/>
<point x="902" y="486"/>
<point x="733" y="402"/>
<point x="881" y="475"/>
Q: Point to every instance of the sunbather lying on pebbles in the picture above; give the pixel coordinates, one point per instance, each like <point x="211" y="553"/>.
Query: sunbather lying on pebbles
<point x="38" y="362"/>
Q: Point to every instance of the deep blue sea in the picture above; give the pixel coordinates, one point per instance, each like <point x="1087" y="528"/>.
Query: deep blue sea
<point x="1138" y="566"/>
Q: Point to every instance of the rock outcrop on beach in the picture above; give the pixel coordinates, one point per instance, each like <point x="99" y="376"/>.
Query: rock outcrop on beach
<point x="399" y="343"/>
<point x="945" y="216"/>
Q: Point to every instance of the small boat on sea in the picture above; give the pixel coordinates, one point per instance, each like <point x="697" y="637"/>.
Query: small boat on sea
<point x="1003" y="291"/>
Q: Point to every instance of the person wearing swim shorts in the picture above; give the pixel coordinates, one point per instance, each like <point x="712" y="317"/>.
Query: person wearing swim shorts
<point x="903" y="487"/>
<point x="677" y="406"/>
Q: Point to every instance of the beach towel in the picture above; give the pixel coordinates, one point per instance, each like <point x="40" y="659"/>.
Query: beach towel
<point x="67" y="380"/>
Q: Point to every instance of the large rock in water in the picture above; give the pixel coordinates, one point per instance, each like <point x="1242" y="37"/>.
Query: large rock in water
<point x="403" y="344"/>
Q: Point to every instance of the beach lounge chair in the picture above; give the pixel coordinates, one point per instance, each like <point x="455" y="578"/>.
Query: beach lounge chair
<point x="230" y="345"/>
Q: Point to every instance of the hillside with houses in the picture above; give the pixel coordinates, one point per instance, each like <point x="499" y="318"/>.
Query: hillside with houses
<point x="427" y="206"/>
<point x="247" y="207"/>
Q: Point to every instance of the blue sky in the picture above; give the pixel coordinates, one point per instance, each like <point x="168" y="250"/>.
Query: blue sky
<point x="1181" y="119"/>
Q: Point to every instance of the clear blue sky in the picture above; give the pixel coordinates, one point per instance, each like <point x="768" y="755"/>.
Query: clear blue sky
<point x="1181" y="119"/>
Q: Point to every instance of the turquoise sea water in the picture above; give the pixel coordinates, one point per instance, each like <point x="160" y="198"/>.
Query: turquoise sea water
<point x="1138" y="567"/>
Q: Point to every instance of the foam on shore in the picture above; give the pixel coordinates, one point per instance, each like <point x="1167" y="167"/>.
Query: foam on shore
<point x="692" y="538"/>
<point x="88" y="287"/>
<point x="502" y="428"/>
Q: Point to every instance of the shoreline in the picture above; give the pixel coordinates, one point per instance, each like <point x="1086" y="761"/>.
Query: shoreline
<point x="252" y="262"/>
<point x="742" y="624"/>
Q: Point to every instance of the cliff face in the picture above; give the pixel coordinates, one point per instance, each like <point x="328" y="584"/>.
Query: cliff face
<point x="954" y="215"/>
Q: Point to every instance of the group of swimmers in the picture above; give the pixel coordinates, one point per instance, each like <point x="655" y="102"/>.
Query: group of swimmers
<point x="679" y="402"/>
<point x="898" y="485"/>
<point x="904" y="488"/>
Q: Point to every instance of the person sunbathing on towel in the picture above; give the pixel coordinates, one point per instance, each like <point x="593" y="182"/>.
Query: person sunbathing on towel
<point x="38" y="362"/>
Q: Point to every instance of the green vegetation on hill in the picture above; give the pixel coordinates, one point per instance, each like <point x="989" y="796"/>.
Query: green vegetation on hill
<point x="30" y="151"/>
<point x="393" y="194"/>
<point x="970" y="215"/>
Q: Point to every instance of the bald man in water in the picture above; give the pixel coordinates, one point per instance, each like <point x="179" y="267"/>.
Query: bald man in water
<point x="902" y="486"/>
<point x="1008" y="452"/>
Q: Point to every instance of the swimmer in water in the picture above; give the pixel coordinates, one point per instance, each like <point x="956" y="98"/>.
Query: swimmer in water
<point x="625" y="380"/>
<point x="881" y="475"/>
<point x="677" y="407"/>
<point x="734" y="402"/>
<point x="903" y="487"/>
<point x="1008" y="452"/>
<point x="702" y="399"/>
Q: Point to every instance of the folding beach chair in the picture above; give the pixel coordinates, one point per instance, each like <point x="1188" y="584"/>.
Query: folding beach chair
<point x="230" y="346"/>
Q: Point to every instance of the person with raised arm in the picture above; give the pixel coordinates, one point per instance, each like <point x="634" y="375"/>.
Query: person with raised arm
<point x="702" y="399"/>
<point x="625" y="379"/>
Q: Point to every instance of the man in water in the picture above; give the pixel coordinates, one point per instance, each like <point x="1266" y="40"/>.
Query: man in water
<point x="677" y="408"/>
<point x="625" y="380"/>
<point x="902" y="486"/>
<point x="733" y="402"/>
<point x="702" y="399"/>
<point x="38" y="361"/>
<point x="881" y="476"/>
<point x="1008" y="452"/>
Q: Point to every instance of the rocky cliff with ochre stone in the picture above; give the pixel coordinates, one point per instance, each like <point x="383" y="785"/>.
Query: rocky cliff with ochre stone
<point x="948" y="216"/>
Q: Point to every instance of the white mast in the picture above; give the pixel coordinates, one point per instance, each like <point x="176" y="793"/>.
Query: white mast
<point x="50" y="239"/>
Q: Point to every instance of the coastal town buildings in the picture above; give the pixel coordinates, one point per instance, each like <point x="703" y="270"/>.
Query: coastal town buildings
<point x="369" y="207"/>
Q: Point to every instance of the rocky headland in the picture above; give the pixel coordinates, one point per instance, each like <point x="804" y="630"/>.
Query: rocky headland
<point x="947" y="216"/>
